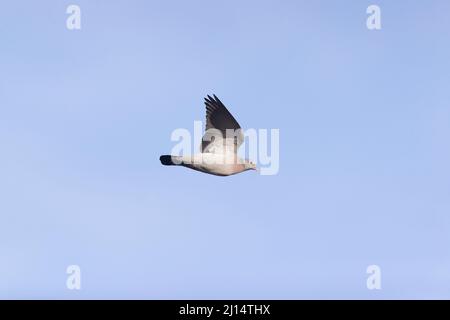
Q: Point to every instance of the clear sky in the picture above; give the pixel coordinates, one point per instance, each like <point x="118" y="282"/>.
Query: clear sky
<point x="364" y="119"/>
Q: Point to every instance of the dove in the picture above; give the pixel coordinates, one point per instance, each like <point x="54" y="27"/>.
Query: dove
<point x="218" y="151"/>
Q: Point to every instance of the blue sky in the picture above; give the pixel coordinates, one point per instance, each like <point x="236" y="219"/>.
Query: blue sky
<point x="364" y="119"/>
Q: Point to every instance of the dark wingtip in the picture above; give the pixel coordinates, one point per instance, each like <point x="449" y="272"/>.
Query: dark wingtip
<point x="212" y="99"/>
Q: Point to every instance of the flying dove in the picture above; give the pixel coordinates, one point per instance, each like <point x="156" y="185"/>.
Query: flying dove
<point x="223" y="137"/>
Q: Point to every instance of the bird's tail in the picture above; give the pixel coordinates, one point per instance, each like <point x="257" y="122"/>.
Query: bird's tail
<point x="169" y="160"/>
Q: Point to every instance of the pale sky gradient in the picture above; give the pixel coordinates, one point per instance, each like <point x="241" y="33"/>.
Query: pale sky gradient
<point x="364" y="119"/>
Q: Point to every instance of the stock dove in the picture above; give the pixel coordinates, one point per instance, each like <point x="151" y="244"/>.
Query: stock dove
<point x="223" y="137"/>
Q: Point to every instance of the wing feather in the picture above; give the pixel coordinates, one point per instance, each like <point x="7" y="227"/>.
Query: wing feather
<point x="223" y="132"/>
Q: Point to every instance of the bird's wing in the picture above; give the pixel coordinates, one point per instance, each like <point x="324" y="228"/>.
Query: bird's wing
<point x="223" y="133"/>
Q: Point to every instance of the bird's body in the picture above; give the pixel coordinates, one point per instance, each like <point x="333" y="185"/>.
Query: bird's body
<point x="212" y="163"/>
<point x="219" y="146"/>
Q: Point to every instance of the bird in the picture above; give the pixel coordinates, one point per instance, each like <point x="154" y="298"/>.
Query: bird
<point x="218" y="151"/>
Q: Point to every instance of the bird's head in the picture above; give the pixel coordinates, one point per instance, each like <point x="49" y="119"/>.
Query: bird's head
<point x="249" y="165"/>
